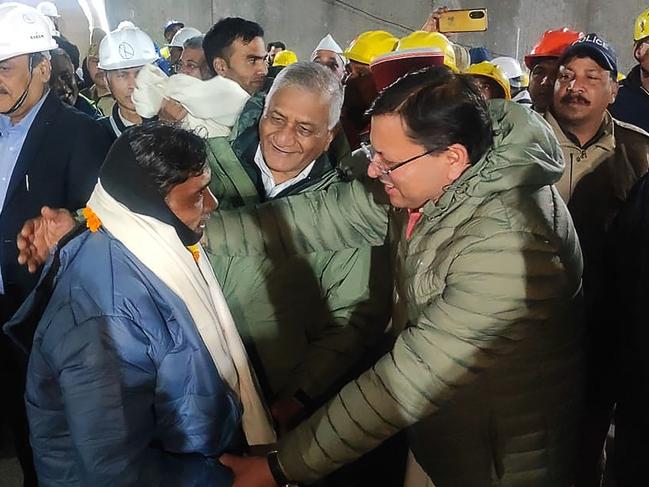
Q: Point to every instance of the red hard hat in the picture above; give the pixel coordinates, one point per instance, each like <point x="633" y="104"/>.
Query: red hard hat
<point x="552" y="44"/>
<point x="390" y="67"/>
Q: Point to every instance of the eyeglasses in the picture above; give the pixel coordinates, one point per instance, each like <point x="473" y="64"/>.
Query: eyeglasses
<point x="371" y="155"/>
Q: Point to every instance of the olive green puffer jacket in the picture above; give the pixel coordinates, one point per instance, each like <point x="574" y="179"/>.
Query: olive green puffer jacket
<point x="487" y="373"/>
<point x="307" y="321"/>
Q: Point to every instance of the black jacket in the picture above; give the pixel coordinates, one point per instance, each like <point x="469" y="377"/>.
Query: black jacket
<point x="629" y="273"/>
<point x="57" y="167"/>
<point x="632" y="103"/>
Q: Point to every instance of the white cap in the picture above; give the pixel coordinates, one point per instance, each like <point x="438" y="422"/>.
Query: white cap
<point x="183" y="35"/>
<point x="23" y="31"/>
<point x="126" y="48"/>
<point x="510" y="68"/>
<point x="328" y="43"/>
<point x="48" y="9"/>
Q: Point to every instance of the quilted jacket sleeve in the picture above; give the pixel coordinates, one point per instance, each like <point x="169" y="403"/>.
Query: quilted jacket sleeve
<point x="497" y="290"/>
<point x="108" y="379"/>
<point x="346" y="215"/>
<point x="358" y="289"/>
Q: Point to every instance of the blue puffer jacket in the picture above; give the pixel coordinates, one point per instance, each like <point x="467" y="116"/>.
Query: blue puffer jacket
<point x="121" y="390"/>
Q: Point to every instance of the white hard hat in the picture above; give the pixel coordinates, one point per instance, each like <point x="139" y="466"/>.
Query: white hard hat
<point x="48" y="9"/>
<point x="183" y="35"/>
<point x="510" y="68"/>
<point x="126" y="48"/>
<point x="23" y="31"/>
<point x="50" y="24"/>
<point x="126" y="24"/>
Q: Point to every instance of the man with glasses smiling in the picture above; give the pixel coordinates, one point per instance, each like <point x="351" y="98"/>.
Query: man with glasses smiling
<point x="486" y="371"/>
<point x="604" y="158"/>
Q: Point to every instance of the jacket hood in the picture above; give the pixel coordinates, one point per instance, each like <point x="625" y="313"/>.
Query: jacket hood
<point x="525" y="153"/>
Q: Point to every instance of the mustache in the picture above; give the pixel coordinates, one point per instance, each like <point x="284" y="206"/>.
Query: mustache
<point x="574" y="99"/>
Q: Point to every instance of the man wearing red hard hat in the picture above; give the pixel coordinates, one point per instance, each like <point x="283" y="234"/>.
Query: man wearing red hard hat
<point x="542" y="61"/>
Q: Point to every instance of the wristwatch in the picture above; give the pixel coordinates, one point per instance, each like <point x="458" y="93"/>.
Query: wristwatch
<point x="276" y="469"/>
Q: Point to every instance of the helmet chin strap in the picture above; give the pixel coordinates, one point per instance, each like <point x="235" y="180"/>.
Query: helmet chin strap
<point x="19" y="103"/>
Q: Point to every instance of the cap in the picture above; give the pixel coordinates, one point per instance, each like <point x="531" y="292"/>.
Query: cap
<point x="596" y="48"/>
<point x="328" y="43"/>
<point x="388" y="68"/>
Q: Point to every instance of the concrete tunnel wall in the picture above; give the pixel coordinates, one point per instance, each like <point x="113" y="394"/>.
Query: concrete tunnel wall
<point x="301" y="23"/>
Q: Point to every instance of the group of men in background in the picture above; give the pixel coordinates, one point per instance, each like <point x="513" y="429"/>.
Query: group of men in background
<point x="480" y="315"/>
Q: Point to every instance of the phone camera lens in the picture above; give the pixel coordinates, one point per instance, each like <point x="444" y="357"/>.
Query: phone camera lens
<point x="478" y="14"/>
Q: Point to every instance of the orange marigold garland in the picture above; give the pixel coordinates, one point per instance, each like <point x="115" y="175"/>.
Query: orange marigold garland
<point x="94" y="224"/>
<point x="92" y="220"/>
<point x="195" y="251"/>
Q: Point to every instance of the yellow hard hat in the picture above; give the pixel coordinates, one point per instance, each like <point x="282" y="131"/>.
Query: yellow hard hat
<point x="284" y="58"/>
<point x="369" y="45"/>
<point x="525" y="80"/>
<point x="621" y="77"/>
<point x="490" y="70"/>
<point x="435" y="40"/>
<point x="641" y="30"/>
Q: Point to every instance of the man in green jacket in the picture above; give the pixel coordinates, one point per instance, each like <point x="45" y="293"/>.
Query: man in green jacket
<point x="307" y="321"/>
<point x="487" y="372"/>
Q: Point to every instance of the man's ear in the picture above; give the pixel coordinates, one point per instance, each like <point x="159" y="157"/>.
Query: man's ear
<point x="458" y="160"/>
<point x="330" y="136"/>
<point x="220" y="65"/>
<point x="44" y="70"/>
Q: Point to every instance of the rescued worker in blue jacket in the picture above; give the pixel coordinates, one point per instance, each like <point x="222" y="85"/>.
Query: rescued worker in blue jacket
<point x="137" y="375"/>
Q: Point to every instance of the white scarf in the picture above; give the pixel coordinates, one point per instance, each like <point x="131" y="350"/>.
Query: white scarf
<point x="158" y="247"/>
<point x="213" y="105"/>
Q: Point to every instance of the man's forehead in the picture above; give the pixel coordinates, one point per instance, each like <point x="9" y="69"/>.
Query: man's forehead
<point x="192" y="53"/>
<point x="12" y="61"/>
<point x="324" y="54"/>
<point x="255" y="46"/>
<point x="547" y="64"/>
<point x="585" y="63"/>
<point x="134" y="70"/>
<point x="61" y="63"/>
<point x="283" y="96"/>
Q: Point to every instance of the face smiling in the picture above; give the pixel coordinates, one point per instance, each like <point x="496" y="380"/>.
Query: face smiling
<point x="294" y="131"/>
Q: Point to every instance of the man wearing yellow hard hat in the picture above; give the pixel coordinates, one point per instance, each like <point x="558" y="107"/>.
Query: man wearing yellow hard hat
<point x="360" y="90"/>
<point x="282" y="59"/>
<point x="490" y="80"/>
<point x="431" y="40"/>
<point x="632" y="104"/>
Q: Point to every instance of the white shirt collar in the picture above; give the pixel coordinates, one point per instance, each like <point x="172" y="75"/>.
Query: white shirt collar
<point x="270" y="187"/>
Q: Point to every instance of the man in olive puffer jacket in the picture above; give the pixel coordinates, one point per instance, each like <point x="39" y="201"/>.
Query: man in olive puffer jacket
<point x="487" y="374"/>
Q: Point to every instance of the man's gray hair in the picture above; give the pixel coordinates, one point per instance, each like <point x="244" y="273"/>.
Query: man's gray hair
<point x="315" y="78"/>
<point x="194" y="43"/>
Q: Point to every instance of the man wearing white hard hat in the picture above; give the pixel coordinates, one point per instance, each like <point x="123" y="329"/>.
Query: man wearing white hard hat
<point x="518" y="81"/>
<point x="329" y="53"/>
<point x="122" y="53"/>
<point x="49" y="10"/>
<point x="177" y="43"/>
<point x="49" y="155"/>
